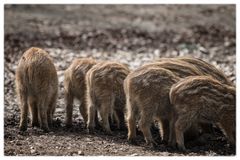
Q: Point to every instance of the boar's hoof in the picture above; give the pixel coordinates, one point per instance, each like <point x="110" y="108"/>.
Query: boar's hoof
<point x="68" y="125"/>
<point x="152" y="145"/>
<point x="90" y="130"/>
<point x="35" y="124"/>
<point x="108" y="132"/>
<point x="23" y="127"/>
<point x="132" y="141"/>
<point x="45" y="129"/>
<point x="182" y="149"/>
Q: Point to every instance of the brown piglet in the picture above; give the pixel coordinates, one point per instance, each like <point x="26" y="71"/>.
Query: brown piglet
<point x="75" y="87"/>
<point x="105" y="93"/>
<point x="147" y="99"/>
<point x="37" y="87"/>
<point x="202" y="99"/>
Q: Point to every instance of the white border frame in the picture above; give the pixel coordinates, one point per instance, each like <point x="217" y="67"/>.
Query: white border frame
<point x="2" y="2"/>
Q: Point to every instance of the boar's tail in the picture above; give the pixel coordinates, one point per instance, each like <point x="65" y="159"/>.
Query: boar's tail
<point x="172" y="96"/>
<point x="131" y="108"/>
<point x="90" y="98"/>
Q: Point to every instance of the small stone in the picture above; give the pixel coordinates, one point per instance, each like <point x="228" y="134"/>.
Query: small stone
<point x="134" y="154"/>
<point x="18" y="143"/>
<point x="32" y="150"/>
<point x="80" y="153"/>
<point x="203" y="50"/>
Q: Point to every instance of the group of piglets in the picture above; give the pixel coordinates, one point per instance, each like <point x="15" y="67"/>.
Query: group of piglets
<point x="182" y="95"/>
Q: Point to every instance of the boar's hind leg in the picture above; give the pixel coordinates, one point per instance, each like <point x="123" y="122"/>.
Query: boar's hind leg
<point x="181" y="125"/>
<point x="116" y="119"/>
<point x="34" y="112"/>
<point x="24" y="111"/>
<point x="83" y="110"/>
<point x="106" y="110"/>
<point x="42" y="114"/>
<point x="172" y="135"/>
<point x="131" y="121"/>
<point x="92" y="114"/>
<point x="69" y="109"/>
<point x="229" y="131"/>
<point x="145" y="124"/>
<point x="164" y="129"/>
<point x="121" y="118"/>
<point x="51" y="110"/>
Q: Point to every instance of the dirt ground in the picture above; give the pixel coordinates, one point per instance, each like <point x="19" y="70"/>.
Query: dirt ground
<point x="131" y="34"/>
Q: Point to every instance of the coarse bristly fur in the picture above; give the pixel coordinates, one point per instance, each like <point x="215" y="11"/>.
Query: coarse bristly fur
<point x="37" y="87"/>
<point x="190" y="66"/>
<point x="105" y="93"/>
<point x="147" y="99"/>
<point x="205" y="68"/>
<point x="180" y="69"/>
<point x="202" y="99"/>
<point x="75" y="86"/>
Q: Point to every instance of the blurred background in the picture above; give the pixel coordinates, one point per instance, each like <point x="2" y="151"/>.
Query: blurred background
<point x="131" y="34"/>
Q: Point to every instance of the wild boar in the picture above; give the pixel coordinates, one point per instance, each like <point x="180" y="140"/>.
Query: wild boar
<point x="202" y="99"/>
<point x="75" y="87"/>
<point x="147" y="98"/>
<point x="104" y="89"/>
<point x="37" y="87"/>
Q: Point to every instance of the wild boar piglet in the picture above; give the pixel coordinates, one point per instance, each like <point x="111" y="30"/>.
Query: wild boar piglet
<point x="202" y="99"/>
<point x="75" y="86"/>
<point x="105" y="93"/>
<point x="37" y="87"/>
<point x="147" y="99"/>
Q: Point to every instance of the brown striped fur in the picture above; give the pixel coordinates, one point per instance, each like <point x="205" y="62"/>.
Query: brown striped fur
<point x="75" y="86"/>
<point x="104" y="91"/>
<point x="37" y="87"/>
<point x="147" y="98"/>
<point x="205" y="68"/>
<point x="202" y="99"/>
<point x="180" y="69"/>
